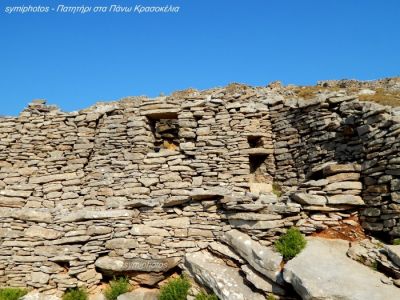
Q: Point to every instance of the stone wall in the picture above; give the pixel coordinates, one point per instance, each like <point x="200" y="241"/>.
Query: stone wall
<point x="339" y="128"/>
<point x="102" y="191"/>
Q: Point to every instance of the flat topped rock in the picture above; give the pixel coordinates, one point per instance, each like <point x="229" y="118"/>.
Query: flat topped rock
<point x="263" y="259"/>
<point x="309" y="199"/>
<point x="223" y="280"/>
<point x="394" y="253"/>
<point x="324" y="271"/>
<point x="108" y="264"/>
<point x="341" y="168"/>
<point x="140" y="294"/>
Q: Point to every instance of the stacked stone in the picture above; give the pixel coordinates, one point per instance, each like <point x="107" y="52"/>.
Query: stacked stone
<point x="287" y="141"/>
<point x="154" y="179"/>
<point x="380" y="133"/>
<point x="80" y="186"/>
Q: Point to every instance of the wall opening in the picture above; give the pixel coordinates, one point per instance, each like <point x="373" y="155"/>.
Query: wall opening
<point x="258" y="164"/>
<point x="255" y="141"/>
<point x="166" y="134"/>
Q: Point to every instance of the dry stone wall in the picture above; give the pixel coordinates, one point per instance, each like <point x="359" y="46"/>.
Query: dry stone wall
<point x="338" y="128"/>
<point x="132" y="186"/>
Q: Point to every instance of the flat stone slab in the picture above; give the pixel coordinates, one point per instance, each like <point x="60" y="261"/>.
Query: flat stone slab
<point x="345" y="199"/>
<point x="261" y="258"/>
<point x="223" y="280"/>
<point x="84" y="215"/>
<point x="122" y="265"/>
<point x="35" y="295"/>
<point x="140" y="294"/>
<point x="309" y="199"/>
<point x="394" y="253"/>
<point x="323" y="271"/>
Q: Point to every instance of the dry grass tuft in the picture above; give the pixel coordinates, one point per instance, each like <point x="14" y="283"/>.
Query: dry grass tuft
<point x="383" y="97"/>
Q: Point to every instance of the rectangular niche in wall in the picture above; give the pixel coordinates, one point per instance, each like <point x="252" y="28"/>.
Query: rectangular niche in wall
<point x="165" y="133"/>
<point x="255" y="141"/>
<point x="258" y="164"/>
<point x="259" y="180"/>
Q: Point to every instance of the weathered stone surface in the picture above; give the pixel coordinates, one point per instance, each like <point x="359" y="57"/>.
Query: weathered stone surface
<point x="123" y="265"/>
<point x="71" y="240"/>
<point x="255" y="225"/>
<point x="337" y="168"/>
<point x="97" y="215"/>
<point x="394" y="253"/>
<point x="121" y="243"/>
<point x="89" y="274"/>
<point x="323" y="271"/>
<point x="224" y="250"/>
<point x="40" y="277"/>
<point x="253" y="216"/>
<point x="55" y="177"/>
<point x="140" y="294"/>
<point x="309" y="199"/>
<point x="263" y="259"/>
<point x="345" y="199"/>
<point x="224" y="281"/>
<point x="35" y="295"/>
<point x="41" y="232"/>
<point x="182" y="222"/>
<point x="148" y="230"/>
<point x="12" y="202"/>
<point x="261" y="282"/>
<point x="31" y="215"/>
<point x="14" y="193"/>
<point x="260" y="188"/>
<point x="343" y="177"/>
<point x="344" y="185"/>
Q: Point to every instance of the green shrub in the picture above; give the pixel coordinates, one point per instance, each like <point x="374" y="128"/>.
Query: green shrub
<point x="205" y="296"/>
<point x="117" y="287"/>
<point x="396" y="242"/>
<point x="12" y="293"/>
<point x="175" y="289"/>
<point x="75" y="294"/>
<point x="290" y="244"/>
<point x="374" y="265"/>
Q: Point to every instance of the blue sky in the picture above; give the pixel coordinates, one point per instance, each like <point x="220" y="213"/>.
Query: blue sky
<point x="74" y="61"/>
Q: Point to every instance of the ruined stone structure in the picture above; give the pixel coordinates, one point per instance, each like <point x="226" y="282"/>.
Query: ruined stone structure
<point x="132" y="186"/>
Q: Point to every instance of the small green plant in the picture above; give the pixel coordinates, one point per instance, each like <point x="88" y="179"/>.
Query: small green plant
<point x="205" y="296"/>
<point x="276" y="189"/>
<point x="175" y="289"/>
<point x="117" y="287"/>
<point x="374" y="265"/>
<point x="75" y="294"/>
<point x="396" y="242"/>
<point x="271" y="297"/>
<point x="290" y="244"/>
<point x="12" y="293"/>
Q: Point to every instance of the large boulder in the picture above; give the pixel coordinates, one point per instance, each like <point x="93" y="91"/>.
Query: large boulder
<point x="323" y="271"/>
<point x="109" y="264"/>
<point x="394" y="253"/>
<point x="263" y="259"/>
<point x="224" y="281"/>
<point x="35" y="295"/>
<point x="140" y="294"/>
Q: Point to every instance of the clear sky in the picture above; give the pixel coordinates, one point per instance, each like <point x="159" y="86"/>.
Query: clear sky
<point x="76" y="60"/>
